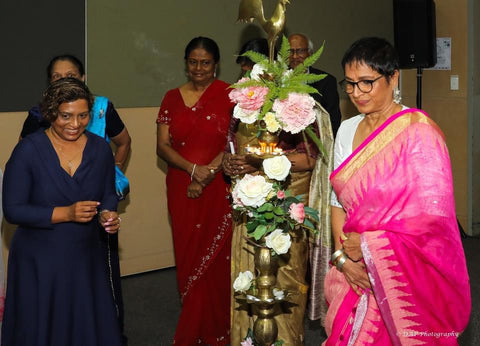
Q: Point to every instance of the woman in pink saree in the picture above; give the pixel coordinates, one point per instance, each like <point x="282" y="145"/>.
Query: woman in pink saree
<point x="399" y="274"/>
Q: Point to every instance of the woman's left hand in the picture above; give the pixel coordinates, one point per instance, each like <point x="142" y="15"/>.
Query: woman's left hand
<point x="110" y="221"/>
<point x="352" y="246"/>
<point x="194" y="190"/>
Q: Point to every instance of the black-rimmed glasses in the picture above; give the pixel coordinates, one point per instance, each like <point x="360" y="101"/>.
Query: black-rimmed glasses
<point x="365" y="86"/>
<point x="298" y="51"/>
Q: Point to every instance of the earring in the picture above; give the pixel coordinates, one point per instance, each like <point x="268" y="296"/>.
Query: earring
<point x="215" y="74"/>
<point x="397" y="97"/>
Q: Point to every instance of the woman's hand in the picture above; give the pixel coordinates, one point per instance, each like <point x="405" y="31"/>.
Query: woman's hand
<point x="194" y="190"/>
<point x="203" y="175"/>
<point x="240" y="164"/>
<point x="356" y="275"/>
<point x="82" y="211"/>
<point x="110" y="221"/>
<point x="352" y="246"/>
<point x="227" y="166"/>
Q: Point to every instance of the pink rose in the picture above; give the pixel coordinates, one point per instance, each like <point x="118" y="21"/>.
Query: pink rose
<point x="280" y="194"/>
<point x="250" y="99"/>
<point x="295" y="112"/>
<point x="297" y="212"/>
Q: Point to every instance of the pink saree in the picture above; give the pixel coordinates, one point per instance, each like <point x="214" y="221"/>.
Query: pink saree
<point x="397" y="191"/>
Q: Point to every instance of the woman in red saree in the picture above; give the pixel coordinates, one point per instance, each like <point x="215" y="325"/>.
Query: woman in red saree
<point x="192" y="131"/>
<point x="399" y="274"/>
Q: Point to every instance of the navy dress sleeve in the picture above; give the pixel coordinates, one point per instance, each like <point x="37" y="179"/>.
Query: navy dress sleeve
<point x="19" y="179"/>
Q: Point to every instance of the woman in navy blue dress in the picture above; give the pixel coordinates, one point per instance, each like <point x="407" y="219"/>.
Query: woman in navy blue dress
<point x="59" y="189"/>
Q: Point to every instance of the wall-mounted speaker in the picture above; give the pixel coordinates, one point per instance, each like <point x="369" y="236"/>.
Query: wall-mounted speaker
<point x="415" y="33"/>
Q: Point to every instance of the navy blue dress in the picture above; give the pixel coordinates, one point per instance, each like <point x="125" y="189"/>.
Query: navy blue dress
<point x="58" y="293"/>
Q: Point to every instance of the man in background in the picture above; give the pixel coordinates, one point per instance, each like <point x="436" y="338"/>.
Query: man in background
<point x="301" y="48"/>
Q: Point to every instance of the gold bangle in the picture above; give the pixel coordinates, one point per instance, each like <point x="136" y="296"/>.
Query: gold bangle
<point x="337" y="254"/>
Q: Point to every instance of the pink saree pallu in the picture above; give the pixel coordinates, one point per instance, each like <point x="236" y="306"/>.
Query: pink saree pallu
<point x="397" y="191"/>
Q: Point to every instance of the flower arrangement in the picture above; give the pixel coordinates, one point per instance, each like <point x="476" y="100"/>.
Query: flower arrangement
<point x="274" y="98"/>
<point x="278" y="98"/>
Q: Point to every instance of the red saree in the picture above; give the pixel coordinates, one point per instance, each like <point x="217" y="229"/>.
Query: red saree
<point x="201" y="227"/>
<point x="397" y="191"/>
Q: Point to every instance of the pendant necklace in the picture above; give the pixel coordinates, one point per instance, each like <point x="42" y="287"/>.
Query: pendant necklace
<point x="58" y="147"/>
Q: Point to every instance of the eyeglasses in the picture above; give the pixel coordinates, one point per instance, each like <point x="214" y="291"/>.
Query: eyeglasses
<point x="298" y="51"/>
<point x="365" y="86"/>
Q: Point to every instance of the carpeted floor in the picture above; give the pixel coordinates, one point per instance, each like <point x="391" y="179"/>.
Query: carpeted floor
<point x="152" y="306"/>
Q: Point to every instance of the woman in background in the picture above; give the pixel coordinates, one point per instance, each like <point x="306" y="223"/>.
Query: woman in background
<point x="259" y="45"/>
<point x="63" y="66"/>
<point x="399" y="274"/>
<point x="192" y="132"/>
<point x="59" y="188"/>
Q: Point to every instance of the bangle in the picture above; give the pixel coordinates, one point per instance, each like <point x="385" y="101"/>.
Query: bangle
<point x="193" y="171"/>
<point x="341" y="261"/>
<point x="337" y="254"/>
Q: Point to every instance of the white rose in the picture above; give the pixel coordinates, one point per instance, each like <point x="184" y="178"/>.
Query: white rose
<point x="257" y="71"/>
<point x="278" y="294"/>
<point x="252" y="190"/>
<point x="245" y="117"/>
<point x="277" y="167"/>
<point x="278" y="241"/>
<point x="243" y="281"/>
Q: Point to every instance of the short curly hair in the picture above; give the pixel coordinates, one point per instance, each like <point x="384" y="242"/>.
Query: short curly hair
<point x="62" y="91"/>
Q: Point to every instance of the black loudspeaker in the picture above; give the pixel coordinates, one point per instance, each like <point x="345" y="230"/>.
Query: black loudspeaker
<point x="415" y="33"/>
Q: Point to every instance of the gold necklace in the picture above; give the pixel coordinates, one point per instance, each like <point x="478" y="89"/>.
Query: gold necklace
<point x="59" y="149"/>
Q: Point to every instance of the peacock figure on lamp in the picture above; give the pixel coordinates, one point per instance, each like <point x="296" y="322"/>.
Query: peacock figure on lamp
<point x="250" y="10"/>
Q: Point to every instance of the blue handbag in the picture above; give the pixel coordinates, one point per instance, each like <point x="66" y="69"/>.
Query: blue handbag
<point x="97" y="125"/>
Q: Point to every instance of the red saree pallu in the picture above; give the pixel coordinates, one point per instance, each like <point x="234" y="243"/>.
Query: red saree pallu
<point x="201" y="227"/>
<point x="397" y="191"/>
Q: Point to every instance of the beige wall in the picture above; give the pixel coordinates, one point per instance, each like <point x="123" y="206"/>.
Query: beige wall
<point x="474" y="111"/>
<point x="448" y="108"/>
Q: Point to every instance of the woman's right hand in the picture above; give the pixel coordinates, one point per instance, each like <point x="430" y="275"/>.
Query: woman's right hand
<point x="82" y="211"/>
<point x="240" y="164"/>
<point x="356" y="275"/>
<point x="203" y="175"/>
